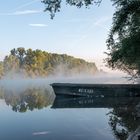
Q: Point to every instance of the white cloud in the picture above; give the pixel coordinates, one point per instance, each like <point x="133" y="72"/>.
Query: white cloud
<point x="24" y="12"/>
<point x="38" y="25"/>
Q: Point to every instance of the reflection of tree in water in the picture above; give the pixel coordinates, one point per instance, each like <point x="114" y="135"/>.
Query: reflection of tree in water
<point x="125" y="121"/>
<point x="29" y="99"/>
<point x="1" y="93"/>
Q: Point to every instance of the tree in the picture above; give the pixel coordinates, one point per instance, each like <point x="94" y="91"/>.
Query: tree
<point x="19" y="53"/>
<point x="1" y="70"/>
<point x="54" y="6"/>
<point x="11" y="65"/>
<point x="124" y="38"/>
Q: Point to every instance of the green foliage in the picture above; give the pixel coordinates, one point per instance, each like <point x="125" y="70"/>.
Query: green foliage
<point x="11" y="64"/>
<point x="124" y="38"/>
<point x="54" y="6"/>
<point x="19" y="53"/>
<point x="1" y="93"/>
<point x="1" y="70"/>
<point x="33" y="63"/>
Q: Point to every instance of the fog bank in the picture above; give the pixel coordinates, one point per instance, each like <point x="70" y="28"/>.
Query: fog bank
<point x="22" y="83"/>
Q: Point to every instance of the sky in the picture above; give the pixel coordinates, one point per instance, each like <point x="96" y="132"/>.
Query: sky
<point x="80" y="32"/>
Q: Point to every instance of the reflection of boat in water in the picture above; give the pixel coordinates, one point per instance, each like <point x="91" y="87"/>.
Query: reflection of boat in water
<point x="97" y="90"/>
<point x="82" y="102"/>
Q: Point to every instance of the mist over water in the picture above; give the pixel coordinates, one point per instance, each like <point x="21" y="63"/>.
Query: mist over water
<point x="23" y="83"/>
<point x="94" y="79"/>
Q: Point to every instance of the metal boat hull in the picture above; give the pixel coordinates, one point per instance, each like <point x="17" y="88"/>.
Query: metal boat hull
<point x="97" y="90"/>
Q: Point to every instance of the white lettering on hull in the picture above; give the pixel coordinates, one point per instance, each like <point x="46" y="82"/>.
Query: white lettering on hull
<point x="84" y="90"/>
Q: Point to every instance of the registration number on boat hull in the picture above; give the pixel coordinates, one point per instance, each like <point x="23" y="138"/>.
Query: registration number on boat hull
<point x="84" y="90"/>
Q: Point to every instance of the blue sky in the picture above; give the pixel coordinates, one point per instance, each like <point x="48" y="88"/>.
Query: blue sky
<point x="77" y="32"/>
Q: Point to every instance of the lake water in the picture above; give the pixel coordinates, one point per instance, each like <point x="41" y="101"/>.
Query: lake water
<point x="34" y="113"/>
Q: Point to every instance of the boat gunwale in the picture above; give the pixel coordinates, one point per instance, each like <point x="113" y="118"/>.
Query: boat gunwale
<point x="95" y="85"/>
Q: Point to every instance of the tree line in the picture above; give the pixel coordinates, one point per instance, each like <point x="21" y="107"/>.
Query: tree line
<point x="33" y="63"/>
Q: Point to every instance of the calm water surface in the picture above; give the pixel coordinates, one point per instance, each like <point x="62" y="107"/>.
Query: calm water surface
<point x="34" y="113"/>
